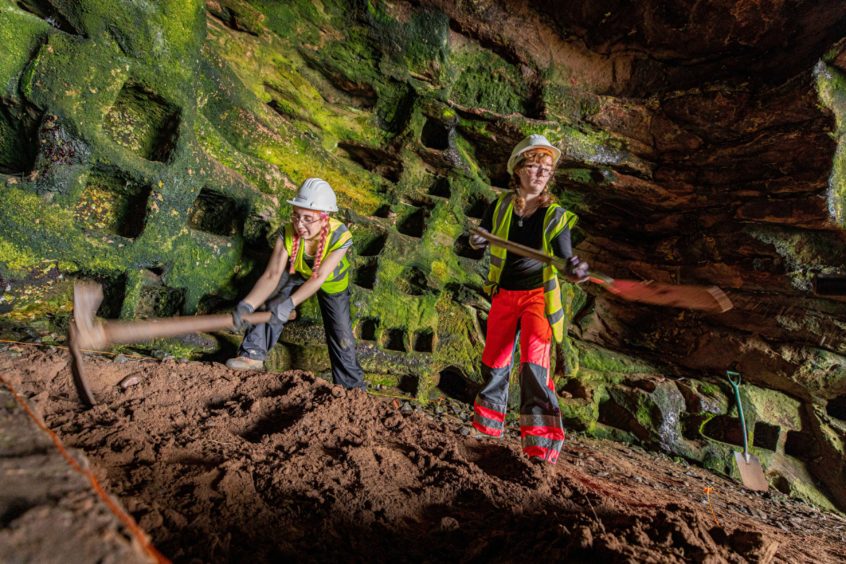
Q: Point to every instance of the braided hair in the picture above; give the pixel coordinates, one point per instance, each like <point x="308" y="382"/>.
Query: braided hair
<point x="546" y="198"/>
<point x="295" y="245"/>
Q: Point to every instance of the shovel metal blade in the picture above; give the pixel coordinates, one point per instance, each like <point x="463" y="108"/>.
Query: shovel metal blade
<point x="710" y="299"/>
<point x="751" y="472"/>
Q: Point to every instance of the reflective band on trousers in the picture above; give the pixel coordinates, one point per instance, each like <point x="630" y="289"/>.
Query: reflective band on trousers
<point x="554" y="222"/>
<point x="339" y="279"/>
<point x="543" y="442"/>
<point x="540" y="421"/>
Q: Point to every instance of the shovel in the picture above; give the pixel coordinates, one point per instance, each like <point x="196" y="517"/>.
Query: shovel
<point x="749" y="466"/>
<point x="711" y="298"/>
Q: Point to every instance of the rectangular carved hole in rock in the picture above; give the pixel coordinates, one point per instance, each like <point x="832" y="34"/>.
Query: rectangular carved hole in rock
<point x="408" y="384"/>
<point x="440" y="188"/>
<point x="114" y="292"/>
<point x="394" y="339"/>
<point x="216" y="213"/>
<point x="113" y="203"/>
<point x="575" y="388"/>
<point x="830" y="285"/>
<point x="725" y="429"/>
<point x="157" y="300"/>
<point x="374" y="159"/>
<point x="364" y="275"/>
<point x="372" y="244"/>
<point x="18" y="139"/>
<point x="766" y="435"/>
<point x="800" y="445"/>
<point x="257" y="231"/>
<point x="366" y="329"/>
<point x="435" y="135"/>
<point x="143" y="123"/>
<point x="476" y="206"/>
<point x="836" y="407"/>
<point x="423" y="341"/>
<point x="414" y="223"/>
<point x="463" y="249"/>
<point x="413" y="282"/>
<point x="454" y="384"/>
<point x="383" y="211"/>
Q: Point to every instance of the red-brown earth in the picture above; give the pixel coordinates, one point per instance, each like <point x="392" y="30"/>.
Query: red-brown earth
<point x="218" y="465"/>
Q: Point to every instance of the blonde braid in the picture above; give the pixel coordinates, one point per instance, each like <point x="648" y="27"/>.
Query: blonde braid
<point x="324" y="236"/>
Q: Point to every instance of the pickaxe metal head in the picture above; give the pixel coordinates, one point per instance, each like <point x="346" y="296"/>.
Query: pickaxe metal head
<point x="84" y="332"/>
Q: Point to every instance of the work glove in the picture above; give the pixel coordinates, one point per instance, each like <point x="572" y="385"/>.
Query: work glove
<point x="281" y="310"/>
<point x="242" y="309"/>
<point x="477" y="241"/>
<point x="577" y="268"/>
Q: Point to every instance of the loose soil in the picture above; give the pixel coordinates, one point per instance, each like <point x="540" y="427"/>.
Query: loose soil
<point x="218" y="465"/>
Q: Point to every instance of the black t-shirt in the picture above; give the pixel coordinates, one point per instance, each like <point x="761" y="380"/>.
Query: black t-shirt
<point x="522" y="273"/>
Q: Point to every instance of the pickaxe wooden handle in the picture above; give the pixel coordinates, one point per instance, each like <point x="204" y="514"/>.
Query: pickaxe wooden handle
<point x="88" y="333"/>
<point x="97" y="335"/>
<point x="705" y="298"/>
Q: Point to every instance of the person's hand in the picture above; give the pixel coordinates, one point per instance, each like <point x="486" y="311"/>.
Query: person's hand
<point x="578" y="268"/>
<point x="477" y="241"/>
<point x="242" y="309"/>
<point x="281" y="310"/>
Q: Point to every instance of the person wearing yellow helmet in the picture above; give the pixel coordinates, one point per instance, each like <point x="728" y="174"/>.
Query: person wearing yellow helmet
<point x="309" y="258"/>
<point x="526" y="298"/>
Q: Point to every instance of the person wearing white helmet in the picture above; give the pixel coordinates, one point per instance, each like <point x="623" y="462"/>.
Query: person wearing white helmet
<point x="526" y="297"/>
<point x="310" y="257"/>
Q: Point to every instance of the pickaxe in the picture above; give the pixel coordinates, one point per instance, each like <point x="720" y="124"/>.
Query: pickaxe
<point x="87" y="332"/>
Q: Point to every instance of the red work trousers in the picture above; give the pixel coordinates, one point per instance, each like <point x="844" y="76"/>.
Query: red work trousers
<point x="541" y="430"/>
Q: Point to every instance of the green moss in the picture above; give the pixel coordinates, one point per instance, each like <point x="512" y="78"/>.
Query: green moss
<point x="417" y="46"/>
<point x="831" y="86"/>
<point x="598" y="359"/>
<point x="483" y="79"/>
<point x="20" y="34"/>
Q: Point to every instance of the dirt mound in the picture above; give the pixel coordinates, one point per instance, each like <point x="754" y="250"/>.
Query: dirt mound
<point x="218" y="465"/>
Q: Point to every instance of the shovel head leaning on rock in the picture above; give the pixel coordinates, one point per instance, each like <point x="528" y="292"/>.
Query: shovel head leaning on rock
<point x="748" y="465"/>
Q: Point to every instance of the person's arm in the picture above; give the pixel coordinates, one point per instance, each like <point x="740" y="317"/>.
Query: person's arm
<point x="477" y="241"/>
<point x="562" y="247"/>
<point x="269" y="280"/>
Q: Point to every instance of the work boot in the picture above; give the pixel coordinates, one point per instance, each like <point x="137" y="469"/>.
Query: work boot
<point x="245" y="363"/>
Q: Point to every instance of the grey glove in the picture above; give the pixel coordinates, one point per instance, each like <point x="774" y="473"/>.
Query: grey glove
<point x="577" y="268"/>
<point x="242" y="309"/>
<point x="477" y="241"/>
<point x="281" y="310"/>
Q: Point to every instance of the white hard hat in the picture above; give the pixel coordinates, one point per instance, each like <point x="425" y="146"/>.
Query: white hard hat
<point x="530" y="143"/>
<point x="315" y="194"/>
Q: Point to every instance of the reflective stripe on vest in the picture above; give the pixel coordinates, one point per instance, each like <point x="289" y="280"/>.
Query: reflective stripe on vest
<point x="554" y="222"/>
<point x="339" y="279"/>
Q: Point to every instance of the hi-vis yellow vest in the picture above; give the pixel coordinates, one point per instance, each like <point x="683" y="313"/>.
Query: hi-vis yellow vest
<point x="554" y="222"/>
<point x="339" y="279"/>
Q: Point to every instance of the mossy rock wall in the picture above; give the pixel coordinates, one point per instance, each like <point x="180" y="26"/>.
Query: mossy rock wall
<point x="151" y="147"/>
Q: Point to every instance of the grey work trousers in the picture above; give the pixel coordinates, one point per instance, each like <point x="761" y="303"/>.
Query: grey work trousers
<point x="335" y="310"/>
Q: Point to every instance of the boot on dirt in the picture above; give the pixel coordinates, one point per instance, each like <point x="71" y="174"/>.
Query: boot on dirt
<point x="244" y="363"/>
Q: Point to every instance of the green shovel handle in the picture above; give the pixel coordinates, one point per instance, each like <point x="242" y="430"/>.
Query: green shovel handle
<point x="735" y="379"/>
